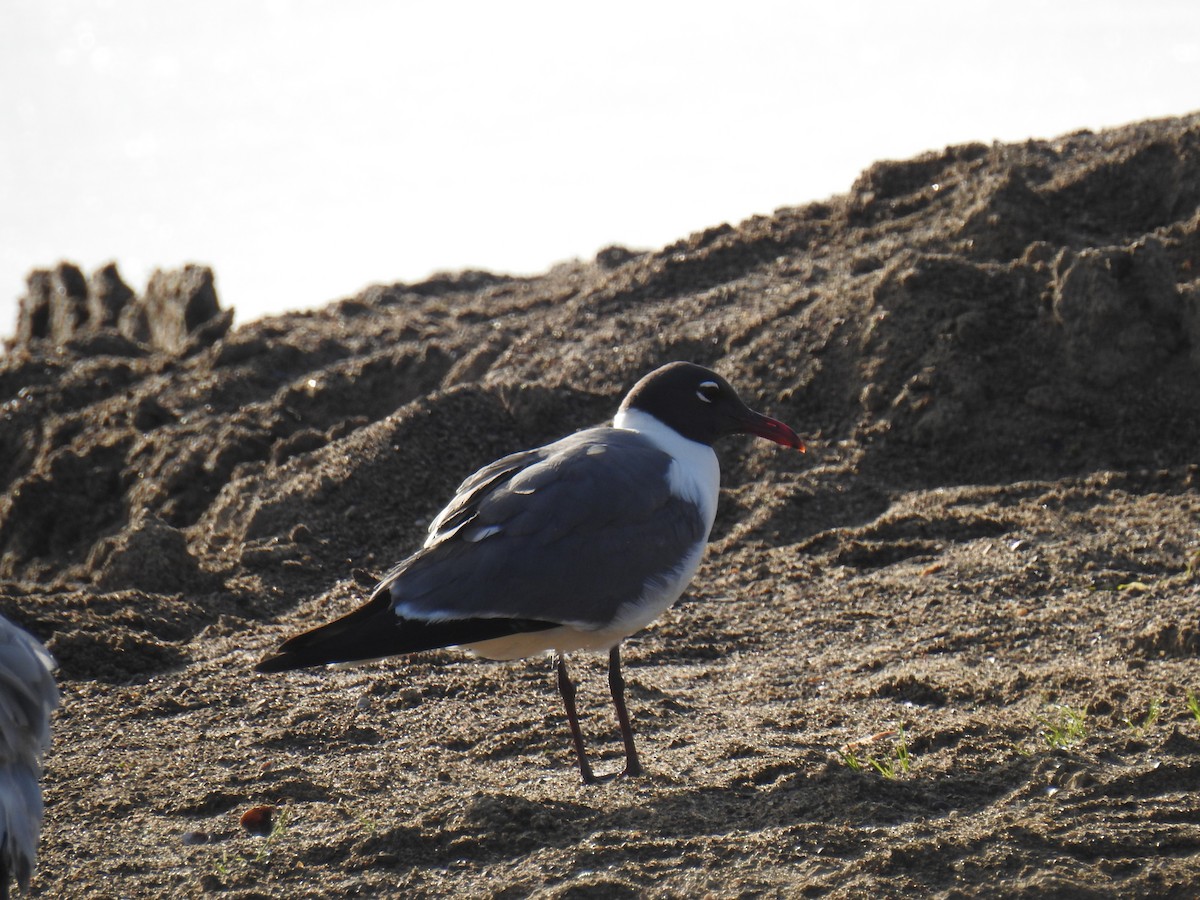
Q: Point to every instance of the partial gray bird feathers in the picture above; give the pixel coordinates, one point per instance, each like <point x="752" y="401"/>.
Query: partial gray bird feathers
<point x="28" y="695"/>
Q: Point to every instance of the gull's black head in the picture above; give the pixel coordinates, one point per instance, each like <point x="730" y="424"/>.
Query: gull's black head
<point x="702" y="406"/>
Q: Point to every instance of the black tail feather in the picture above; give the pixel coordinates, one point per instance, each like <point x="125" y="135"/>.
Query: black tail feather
<point x="358" y="637"/>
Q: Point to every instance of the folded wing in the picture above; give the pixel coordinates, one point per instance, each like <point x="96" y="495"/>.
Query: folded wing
<point x="562" y="535"/>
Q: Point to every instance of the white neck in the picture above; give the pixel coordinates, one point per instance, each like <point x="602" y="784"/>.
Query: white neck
<point x="694" y="473"/>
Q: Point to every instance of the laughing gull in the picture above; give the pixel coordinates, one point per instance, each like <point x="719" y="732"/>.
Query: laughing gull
<point x="572" y="546"/>
<point x="28" y="696"/>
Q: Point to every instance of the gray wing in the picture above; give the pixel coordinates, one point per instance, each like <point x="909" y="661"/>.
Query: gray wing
<point x="475" y="489"/>
<point x="566" y="533"/>
<point x="28" y="695"/>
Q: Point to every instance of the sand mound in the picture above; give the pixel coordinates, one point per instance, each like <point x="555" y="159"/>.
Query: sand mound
<point x="995" y="355"/>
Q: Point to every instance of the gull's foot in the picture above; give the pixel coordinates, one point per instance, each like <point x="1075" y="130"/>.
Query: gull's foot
<point x="629" y="772"/>
<point x="633" y="770"/>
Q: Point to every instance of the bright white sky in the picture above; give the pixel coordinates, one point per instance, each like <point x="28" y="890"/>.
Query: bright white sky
<point x="306" y="149"/>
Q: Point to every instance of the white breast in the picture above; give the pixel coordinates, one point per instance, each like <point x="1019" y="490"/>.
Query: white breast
<point x="694" y="474"/>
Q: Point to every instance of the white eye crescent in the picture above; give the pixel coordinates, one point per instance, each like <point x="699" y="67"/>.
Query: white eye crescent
<point x="708" y="391"/>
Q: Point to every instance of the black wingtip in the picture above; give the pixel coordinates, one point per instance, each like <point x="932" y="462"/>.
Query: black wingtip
<point x="337" y="643"/>
<point x="280" y="662"/>
<point x="304" y="651"/>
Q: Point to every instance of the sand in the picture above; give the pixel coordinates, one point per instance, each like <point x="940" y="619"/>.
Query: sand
<point x="946" y="653"/>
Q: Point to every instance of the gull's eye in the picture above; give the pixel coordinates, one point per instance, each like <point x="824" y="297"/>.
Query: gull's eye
<point x="708" y="391"/>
